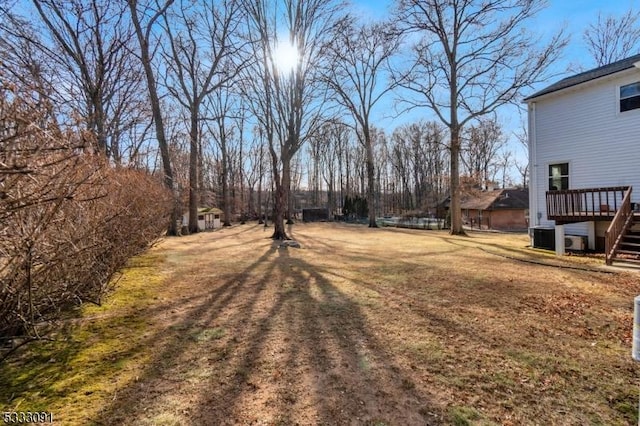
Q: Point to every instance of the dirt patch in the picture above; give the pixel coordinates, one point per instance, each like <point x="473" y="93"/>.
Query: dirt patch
<point x="357" y="326"/>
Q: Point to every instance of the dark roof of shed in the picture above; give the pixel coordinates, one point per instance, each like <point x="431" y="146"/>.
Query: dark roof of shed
<point x="583" y="77"/>
<point x="502" y="199"/>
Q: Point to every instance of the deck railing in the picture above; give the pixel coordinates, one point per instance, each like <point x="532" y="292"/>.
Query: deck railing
<point x="619" y="224"/>
<point x="577" y="205"/>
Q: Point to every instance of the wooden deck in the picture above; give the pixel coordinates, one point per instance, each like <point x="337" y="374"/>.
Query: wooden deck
<point x="613" y="205"/>
<point x="582" y="205"/>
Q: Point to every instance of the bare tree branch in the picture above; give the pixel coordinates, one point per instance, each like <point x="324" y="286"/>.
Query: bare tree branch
<point x="613" y="38"/>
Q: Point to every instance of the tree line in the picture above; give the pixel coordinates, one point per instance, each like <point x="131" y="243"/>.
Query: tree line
<point x="195" y="93"/>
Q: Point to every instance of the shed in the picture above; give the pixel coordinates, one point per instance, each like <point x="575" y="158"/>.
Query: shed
<point x="208" y="218"/>
<point x="319" y="214"/>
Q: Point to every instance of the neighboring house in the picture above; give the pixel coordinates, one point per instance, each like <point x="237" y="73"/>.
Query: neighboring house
<point x="584" y="157"/>
<point x="502" y="209"/>
<point x="208" y="218"/>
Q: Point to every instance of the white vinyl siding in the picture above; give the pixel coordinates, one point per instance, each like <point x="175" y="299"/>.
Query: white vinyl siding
<point x="583" y="125"/>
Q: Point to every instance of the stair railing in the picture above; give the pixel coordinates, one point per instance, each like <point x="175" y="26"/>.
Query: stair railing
<point x="619" y="225"/>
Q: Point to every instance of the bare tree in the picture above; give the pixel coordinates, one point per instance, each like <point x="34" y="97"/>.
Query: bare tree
<point x="287" y="103"/>
<point x="359" y="56"/>
<point x="329" y="156"/>
<point x="324" y="162"/>
<point x="332" y="157"/>
<point x="342" y="138"/>
<point x="85" y="47"/>
<point x="315" y="146"/>
<point x="400" y="155"/>
<point x="523" y="166"/>
<point x="254" y="176"/>
<point x="502" y="167"/>
<point x="144" y="36"/>
<point x="481" y="145"/>
<point x="200" y="56"/>
<point x="473" y="57"/>
<point x="612" y="38"/>
<point x="224" y="110"/>
<point x="329" y="159"/>
<point x="419" y="150"/>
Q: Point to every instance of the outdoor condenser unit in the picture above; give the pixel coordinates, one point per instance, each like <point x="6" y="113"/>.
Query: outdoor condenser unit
<point x="574" y="242"/>
<point x="544" y="238"/>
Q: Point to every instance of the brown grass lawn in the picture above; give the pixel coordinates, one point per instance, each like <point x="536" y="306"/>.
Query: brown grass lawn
<point x="359" y="326"/>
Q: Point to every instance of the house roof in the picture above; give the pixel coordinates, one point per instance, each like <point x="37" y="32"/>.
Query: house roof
<point x="479" y="201"/>
<point x="593" y="74"/>
<point x="501" y="199"/>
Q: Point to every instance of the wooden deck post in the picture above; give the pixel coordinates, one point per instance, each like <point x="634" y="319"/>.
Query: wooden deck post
<point x="559" y="240"/>
<point x="591" y="235"/>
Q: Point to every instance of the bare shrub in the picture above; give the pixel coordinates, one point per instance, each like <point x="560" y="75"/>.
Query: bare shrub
<point x="68" y="220"/>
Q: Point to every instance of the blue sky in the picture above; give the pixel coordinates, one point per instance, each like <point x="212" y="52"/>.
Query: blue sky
<point x="576" y="16"/>
<point x="572" y="15"/>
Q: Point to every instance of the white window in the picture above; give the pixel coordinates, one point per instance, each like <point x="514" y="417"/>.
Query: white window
<point x="630" y="97"/>
<point x="558" y="176"/>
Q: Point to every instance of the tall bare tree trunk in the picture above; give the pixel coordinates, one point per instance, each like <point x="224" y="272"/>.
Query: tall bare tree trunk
<point x="289" y="204"/>
<point x="371" y="185"/>
<point x="143" y="39"/>
<point x="193" y="172"/>
<point x="368" y="145"/>
<point x="201" y="185"/>
<point x="454" y="184"/>
<point x="454" y="205"/>
<point x="261" y="172"/>
<point x="281" y="197"/>
<point x="226" y="196"/>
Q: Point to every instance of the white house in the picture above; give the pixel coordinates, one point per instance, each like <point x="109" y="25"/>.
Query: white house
<point x="584" y="158"/>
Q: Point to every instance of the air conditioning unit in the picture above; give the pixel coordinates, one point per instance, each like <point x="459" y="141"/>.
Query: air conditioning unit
<point x="544" y="238"/>
<point x="575" y="242"/>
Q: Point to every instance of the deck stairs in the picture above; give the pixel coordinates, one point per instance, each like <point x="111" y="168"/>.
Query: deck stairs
<point x="628" y="250"/>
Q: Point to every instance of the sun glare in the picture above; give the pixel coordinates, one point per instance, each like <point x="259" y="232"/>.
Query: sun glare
<point x="286" y="57"/>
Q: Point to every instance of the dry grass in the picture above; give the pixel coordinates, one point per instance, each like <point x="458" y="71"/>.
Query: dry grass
<point x="358" y="326"/>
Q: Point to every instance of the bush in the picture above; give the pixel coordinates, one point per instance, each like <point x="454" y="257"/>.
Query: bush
<point x="68" y="220"/>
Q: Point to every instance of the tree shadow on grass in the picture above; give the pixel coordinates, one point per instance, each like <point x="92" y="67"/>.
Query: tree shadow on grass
<point x="108" y="344"/>
<point x="193" y="243"/>
<point x="286" y="347"/>
<point x="138" y="401"/>
<point x="311" y="359"/>
<point x="486" y="328"/>
<point x="354" y="374"/>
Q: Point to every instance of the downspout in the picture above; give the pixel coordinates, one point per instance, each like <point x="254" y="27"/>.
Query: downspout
<point x="533" y="168"/>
